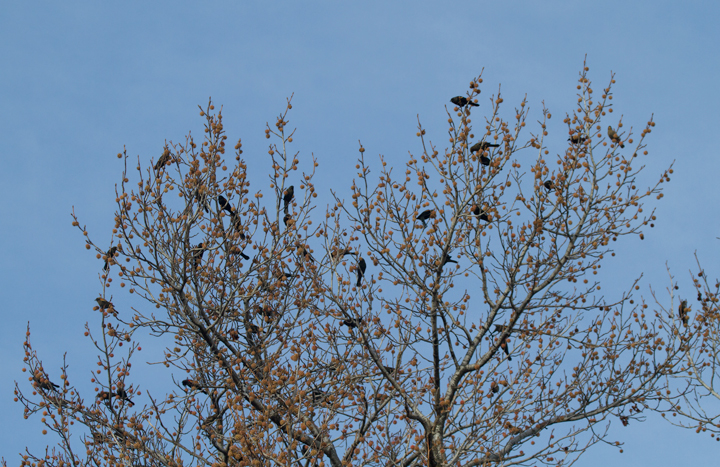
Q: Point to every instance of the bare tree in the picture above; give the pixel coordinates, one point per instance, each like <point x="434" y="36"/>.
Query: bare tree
<point x="443" y="315"/>
<point x="693" y="395"/>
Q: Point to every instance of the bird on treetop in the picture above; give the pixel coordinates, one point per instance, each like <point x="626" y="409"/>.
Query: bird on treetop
<point x="549" y="185"/>
<point x="577" y="138"/>
<point x="351" y="323"/>
<point x="463" y="101"/>
<point x="361" y="270"/>
<point x="287" y="197"/>
<point x="614" y="137"/>
<point x="224" y="204"/>
<point x="164" y="159"/>
<point x="683" y="312"/>
<point x="425" y="215"/>
<point x="108" y="255"/>
<point x="482" y="146"/>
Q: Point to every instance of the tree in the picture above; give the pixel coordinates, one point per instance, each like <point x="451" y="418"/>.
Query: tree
<point x="473" y="335"/>
<point x="694" y="395"/>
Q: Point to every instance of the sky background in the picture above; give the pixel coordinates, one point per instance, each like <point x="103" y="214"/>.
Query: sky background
<point x="80" y="80"/>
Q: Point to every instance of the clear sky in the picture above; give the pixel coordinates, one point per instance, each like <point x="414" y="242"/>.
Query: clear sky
<point x="80" y="80"/>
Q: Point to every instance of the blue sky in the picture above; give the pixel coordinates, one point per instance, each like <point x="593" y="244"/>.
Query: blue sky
<point x="80" y="80"/>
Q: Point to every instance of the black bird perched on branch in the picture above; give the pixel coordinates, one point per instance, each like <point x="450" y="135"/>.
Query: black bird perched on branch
<point x="351" y="323"/>
<point x="199" y="250"/>
<point x="481" y="215"/>
<point x="482" y="145"/>
<point x="504" y="346"/>
<point x="683" y="312"/>
<point x="339" y="254"/>
<point x="164" y="159"/>
<point x="317" y="396"/>
<point x="614" y="137"/>
<point x="361" y="271"/>
<point x="122" y="395"/>
<point x="463" y="101"/>
<point x="44" y="383"/>
<point x="194" y="385"/>
<point x="108" y="255"/>
<point x="305" y="254"/>
<point x="577" y="138"/>
<point x="224" y="204"/>
<point x="549" y="185"/>
<point x="103" y="304"/>
<point x="446" y="258"/>
<point x="287" y="197"/>
<point x="202" y="200"/>
<point x="425" y="215"/>
<point x="103" y="396"/>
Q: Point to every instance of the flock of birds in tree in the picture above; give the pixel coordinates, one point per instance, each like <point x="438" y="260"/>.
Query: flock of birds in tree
<point x="42" y="382"/>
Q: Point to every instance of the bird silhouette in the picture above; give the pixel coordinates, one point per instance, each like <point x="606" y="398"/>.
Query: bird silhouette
<point x="103" y="304"/>
<point x="109" y="255"/>
<point x="480" y="214"/>
<point x="352" y="323"/>
<point x="482" y="146"/>
<point x="317" y="396"/>
<point x="287" y="197"/>
<point x="199" y="251"/>
<point x="44" y="383"/>
<point x="577" y="138"/>
<point x="504" y="346"/>
<point x="224" y="204"/>
<point x="122" y="395"/>
<point x="361" y="271"/>
<point x="339" y="254"/>
<point x="549" y="185"/>
<point x="103" y="396"/>
<point x="462" y="101"/>
<point x="446" y="258"/>
<point x="425" y="215"/>
<point x="287" y="219"/>
<point x="683" y="312"/>
<point x="305" y="254"/>
<point x="614" y="137"/>
<point x="484" y="160"/>
<point x="164" y="159"/>
<point x="202" y="200"/>
<point x="194" y="385"/>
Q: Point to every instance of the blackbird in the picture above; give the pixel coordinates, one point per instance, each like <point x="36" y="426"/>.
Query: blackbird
<point x="108" y="255"/>
<point x="504" y="346"/>
<point x="614" y="136"/>
<point x="337" y="255"/>
<point x="577" y="138"/>
<point x="361" y="271"/>
<point x="164" y="159"/>
<point x="425" y="215"/>
<point x="351" y="323"/>
<point x="305" y="254"/>
<point x="484" y="160"/>
<point x="481" y="215"/>
<point x="317" y="396"/>
<point x="224" y="204"/>
<point x="103" y="304"/>
<point x="482" y="146"/>
<point x="199" y="250"/>
<point x="194" y="385"/>
<point x="122" y="395"/>
<point x="462" y="101"/>
<point x="447" y="259"/>
<point x="287" y="197"/>
<point x="202" y="201"/>
<point x="286" y="218"/>
<point x="44" y="383"/>
<point x="549" y="185"/>
<point x="683" y="312"/>
<point x="102" y="396"/>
